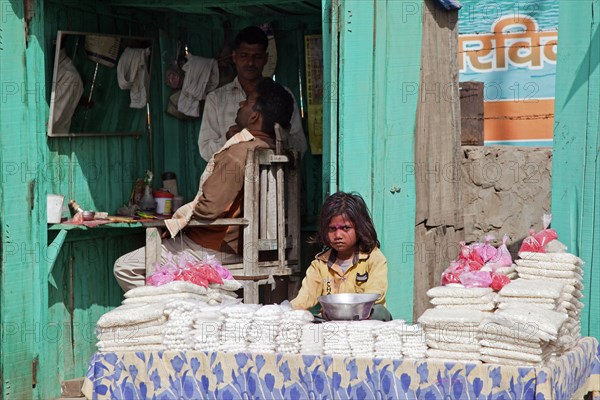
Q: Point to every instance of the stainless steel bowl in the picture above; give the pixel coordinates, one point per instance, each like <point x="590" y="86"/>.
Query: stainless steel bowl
<point x="88" y="215"/>
<point x="347" y="306"/>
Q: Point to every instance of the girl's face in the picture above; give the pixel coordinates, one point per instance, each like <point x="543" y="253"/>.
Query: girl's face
<point x="342" y="236"/>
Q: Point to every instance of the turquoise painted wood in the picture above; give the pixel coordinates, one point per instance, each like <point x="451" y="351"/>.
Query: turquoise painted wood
<point x="374" y="130"/>
<point x="379" y="67"/>
<point x="46" y="317"/>
<point x="575" y="162"/>
<point x="330" y="19"/>
<point x="21" y="99"/>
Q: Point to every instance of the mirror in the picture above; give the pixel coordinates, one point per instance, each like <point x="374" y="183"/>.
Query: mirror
<point x="100" y="85"/>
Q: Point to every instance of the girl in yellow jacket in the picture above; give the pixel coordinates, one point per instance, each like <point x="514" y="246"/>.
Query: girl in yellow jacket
<point x="351" y="261"/>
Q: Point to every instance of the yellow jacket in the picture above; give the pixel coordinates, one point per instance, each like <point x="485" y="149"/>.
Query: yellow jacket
<point x="367" y="274"/>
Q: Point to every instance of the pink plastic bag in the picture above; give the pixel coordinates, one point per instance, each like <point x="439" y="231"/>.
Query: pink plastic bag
<point x="223" y="272"/>
<point x="159" y="278"/>
<point x="189" y="275"/>
<point x="547" y="234"/>
<point x="467" y="253"/>
<point x="502" y="258"/>
<point x="476" y="279"/>
<point x="530" y="244"/>
<point x="499" y="281"/>
<point x="450" y="277"/>
<point x="164" y="273"/>
<point x="209" y="273"/>
<point x="485" y="250"/>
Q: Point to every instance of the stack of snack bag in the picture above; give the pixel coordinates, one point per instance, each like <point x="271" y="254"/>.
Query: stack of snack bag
<point x="264" y="329"/>
<point x="413" y="341"/>
<point x="481" y="265"/>
<point x="450" y="334"/>
<point x="311" y="341"/>
<point x="161" y="315"/>
<point x="206" y="334"/>
<point x="131" y="328"/>
<point x="234" y="331"/>
<point x="460" y="297"/>
<point x="177" y="335"/>
<point x="543" y="256"/>
<point x="290" y="339"/>
<point x="362" y="340"/>
<point x="336" y="338"/>
<point x="388" y="339"/>
<point x="520" y="334"/>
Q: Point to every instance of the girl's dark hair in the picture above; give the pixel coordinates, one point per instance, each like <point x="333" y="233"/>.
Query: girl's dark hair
<point x="355" y="209"/>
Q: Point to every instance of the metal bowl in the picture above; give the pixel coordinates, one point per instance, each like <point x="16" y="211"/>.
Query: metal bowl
<point x="347" y="306"/>
<point x="88" y="215"/>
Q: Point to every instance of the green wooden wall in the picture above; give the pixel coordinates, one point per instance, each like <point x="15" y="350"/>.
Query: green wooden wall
<point x="22" y="107"/>
<point x="575" y="161"/>
<point x="50" y="299"/>
<point x="379" y="66"/>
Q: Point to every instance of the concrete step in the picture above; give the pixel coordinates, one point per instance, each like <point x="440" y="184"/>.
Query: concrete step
<point x="71" y="388"/>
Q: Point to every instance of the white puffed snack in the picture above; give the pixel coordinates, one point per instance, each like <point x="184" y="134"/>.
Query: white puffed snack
<point x="435" y="316"/>
<point x="463" y="355"/>
<point x="124" y="315"/>
<point x="546" y="320"/>
<point x="171" y="287"/>
<point x="163" y="298"/>
<point x="533" y="288"/>
<point x="552" y="257"/>
<point x="462" y="300"/>
<point x="547" y="265"/>
<point x="450" y="291"/>
<point x="550" y="273"/>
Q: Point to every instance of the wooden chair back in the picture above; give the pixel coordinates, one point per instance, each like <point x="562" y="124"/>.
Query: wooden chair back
<point x="270" y="221"/>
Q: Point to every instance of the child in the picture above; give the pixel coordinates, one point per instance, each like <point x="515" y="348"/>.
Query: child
<point x="351" y="261"/>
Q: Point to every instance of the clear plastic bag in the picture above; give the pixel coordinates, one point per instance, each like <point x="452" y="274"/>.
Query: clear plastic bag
<point x="555" y="246"/>
<point x="485" y="250"/>
<point x="476" y="279"/>
<point x="503" y="258"/>
<point x="531" y="245"/>
<point x="546" y="235"/>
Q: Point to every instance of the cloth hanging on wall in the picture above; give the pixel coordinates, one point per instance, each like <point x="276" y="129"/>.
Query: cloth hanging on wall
<point x="201" y="76"/>
<point x="132" y="75"/>
<point x="69" y="88"/>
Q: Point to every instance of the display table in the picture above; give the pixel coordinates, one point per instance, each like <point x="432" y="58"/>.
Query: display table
<point x="200" y="375"/>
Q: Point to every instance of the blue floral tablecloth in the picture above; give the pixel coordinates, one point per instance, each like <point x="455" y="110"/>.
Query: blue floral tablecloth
<point x="218" y="375"/>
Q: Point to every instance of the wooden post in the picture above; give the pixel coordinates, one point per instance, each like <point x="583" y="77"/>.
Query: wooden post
<point x="471" y="113"/>
<point x="153" y="249"/>
<point x="438" y="217"/>
<point x="250" y="250"/>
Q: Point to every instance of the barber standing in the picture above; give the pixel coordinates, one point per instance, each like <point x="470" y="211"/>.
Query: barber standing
<point x="218" y="120"/>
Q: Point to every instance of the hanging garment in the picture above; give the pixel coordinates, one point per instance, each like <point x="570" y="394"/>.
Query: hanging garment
<point x="201" y="76"/>
<point x="132" y="75"/>
<point x="67" y="92"/>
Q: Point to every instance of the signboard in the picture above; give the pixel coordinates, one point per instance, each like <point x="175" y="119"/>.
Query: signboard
<point x="511" y="47"/>
<point x="313" y="46"/>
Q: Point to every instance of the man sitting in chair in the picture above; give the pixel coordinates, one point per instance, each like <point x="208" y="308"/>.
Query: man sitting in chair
<point x="221" y="189"/>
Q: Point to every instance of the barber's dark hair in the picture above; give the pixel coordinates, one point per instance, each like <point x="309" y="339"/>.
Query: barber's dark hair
<point x="353" y="207"/>
<point x="274" y="103"/>
<point x="251" y="35"/>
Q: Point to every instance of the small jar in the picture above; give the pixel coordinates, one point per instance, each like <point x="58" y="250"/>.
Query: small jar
<point x="169" y="182"/>
<point x="164" y="201"/>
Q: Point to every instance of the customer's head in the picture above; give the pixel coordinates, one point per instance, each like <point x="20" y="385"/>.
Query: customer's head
<point x="250" y="53"/>
<point x="270" y="104"/>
